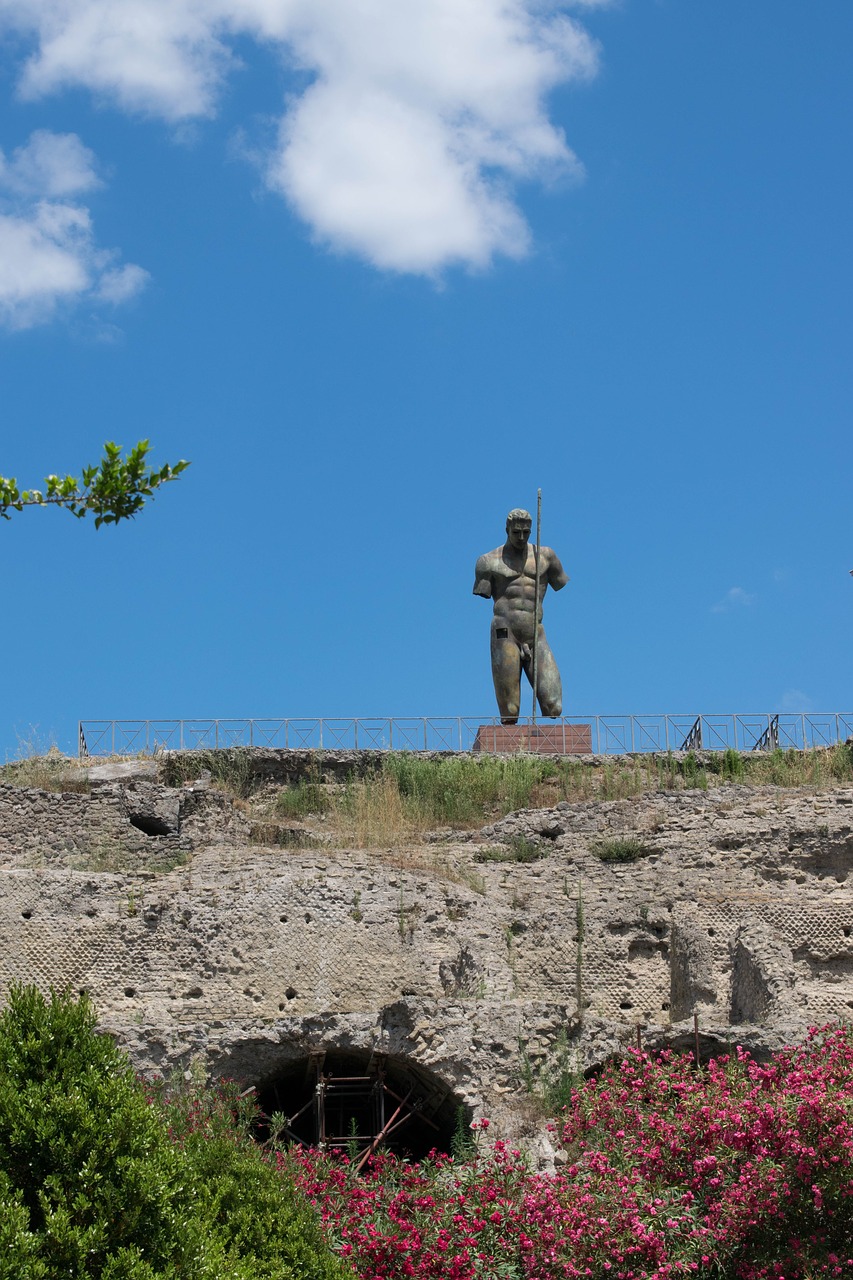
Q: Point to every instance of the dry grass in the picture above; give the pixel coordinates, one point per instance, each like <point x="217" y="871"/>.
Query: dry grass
<point x="373" y="814"/>
<point x="50" y="771"/>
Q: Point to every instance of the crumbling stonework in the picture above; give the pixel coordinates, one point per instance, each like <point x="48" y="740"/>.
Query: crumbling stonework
<point x="193" y="941"/>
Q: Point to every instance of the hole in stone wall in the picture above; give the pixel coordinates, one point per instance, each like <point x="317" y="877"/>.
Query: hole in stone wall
<point x="149" y="824"/>
<point x="365" y="1092"/>
<point x="130" y="992"/>
<point x="644" y="948"/>
<point x="28" y="915"/>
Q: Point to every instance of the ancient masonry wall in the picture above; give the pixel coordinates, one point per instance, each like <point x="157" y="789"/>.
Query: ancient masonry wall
<point x="192" y="940"/>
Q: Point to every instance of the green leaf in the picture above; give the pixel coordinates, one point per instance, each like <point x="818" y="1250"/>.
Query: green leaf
<point x="116" y="489"/>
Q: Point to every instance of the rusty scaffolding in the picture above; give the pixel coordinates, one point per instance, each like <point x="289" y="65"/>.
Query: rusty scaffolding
<point x="359" y="1112"/>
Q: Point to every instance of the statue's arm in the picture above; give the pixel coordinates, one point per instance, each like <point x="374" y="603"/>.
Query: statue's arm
<point x="483" y="578"/>
<point x="556" y="576"/>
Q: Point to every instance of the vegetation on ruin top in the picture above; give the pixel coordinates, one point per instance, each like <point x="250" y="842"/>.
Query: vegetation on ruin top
<point x="403" y="798"/>
<point x="409" y="796"/>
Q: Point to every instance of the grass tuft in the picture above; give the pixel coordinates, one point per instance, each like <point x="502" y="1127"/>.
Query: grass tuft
<point x="230" y="769"/>
<point x="302" y="799"/>
<point x="624" y="849"/>
<point x="42" y="765"/>
<point x="518" y="849"/>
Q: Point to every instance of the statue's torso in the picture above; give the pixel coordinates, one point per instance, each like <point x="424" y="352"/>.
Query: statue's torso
<point x="513" y="583"/>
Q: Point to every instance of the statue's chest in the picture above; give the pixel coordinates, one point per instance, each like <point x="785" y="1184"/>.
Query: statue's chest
<point x="508" y="573"/>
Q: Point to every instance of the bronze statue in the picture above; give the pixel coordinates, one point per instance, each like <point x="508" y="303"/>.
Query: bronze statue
<point x="507" y="575"/>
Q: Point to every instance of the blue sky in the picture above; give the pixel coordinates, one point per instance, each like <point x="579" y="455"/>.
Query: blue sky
<point x="379" y="270"/>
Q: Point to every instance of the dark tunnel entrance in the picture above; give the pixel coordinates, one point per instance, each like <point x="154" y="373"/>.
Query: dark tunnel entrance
<point x="345" y="1099"/>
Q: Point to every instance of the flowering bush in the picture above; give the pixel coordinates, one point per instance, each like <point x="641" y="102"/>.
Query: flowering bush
<point x="738" y="1170"/>
<point x="735" y="1172"/>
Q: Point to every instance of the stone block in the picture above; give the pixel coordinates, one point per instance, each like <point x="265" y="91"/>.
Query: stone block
<point x="544" y="739"/>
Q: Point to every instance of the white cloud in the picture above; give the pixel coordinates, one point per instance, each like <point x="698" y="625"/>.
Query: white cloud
<point x="161" y="56"/>
<point x="48" y="253"/>
<point x="51" y="164"/>
<point x="403" y="148"/>
<point x="734" y="598"/>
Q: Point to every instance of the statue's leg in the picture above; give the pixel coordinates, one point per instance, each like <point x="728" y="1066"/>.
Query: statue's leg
<point x="549" y="693"/>
<point x="506" y="672"/>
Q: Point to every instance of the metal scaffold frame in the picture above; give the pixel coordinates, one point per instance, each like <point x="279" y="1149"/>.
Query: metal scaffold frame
<point x="369" y="1094"/>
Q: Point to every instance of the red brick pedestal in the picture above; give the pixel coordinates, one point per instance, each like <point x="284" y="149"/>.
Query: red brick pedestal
<point x="549" y="739"/>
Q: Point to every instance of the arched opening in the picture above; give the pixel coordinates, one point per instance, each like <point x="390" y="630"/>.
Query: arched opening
<point x="352" y="1099"/>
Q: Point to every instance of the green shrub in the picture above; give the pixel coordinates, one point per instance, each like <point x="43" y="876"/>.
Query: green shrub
<point x="463" y="1144"/>
<point x="94" y="1187"/>
<point x="301" y="799"/>
<point x="732" y="765"/>
<point x="561" y="1077"/>
<point x="625" y="849"/>
<point x="518" y="849"/>
<point x="695" y="776"/>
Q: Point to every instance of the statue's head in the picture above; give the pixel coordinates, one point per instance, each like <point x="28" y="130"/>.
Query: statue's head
<point x="518" y="526"/>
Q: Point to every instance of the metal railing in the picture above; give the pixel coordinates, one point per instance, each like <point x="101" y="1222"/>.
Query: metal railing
<point x="609" y="735"/>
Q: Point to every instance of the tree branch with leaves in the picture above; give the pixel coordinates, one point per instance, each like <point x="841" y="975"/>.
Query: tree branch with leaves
<point x="115" y="489"/>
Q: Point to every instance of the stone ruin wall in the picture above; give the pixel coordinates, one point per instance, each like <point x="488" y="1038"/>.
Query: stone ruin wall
<point x="193" y="941"/>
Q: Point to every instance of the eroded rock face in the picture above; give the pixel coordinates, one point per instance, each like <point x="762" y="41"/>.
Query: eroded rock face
<point x="192" y="941"/>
